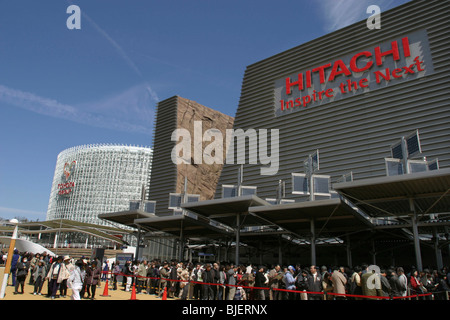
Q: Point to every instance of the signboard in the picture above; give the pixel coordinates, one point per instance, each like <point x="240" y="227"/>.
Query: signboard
<point x="66" y="187"/>
<point x="386" y="64"/>
<point x="122" y="258"/>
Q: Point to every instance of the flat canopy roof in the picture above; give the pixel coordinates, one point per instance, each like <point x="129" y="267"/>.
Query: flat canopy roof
<point x="192" y="227"/>
<point x="225" y="210"/>
<point x="64" y="225"/>
<point x="390" y="195"/>
<point x="330" y="215"/>
<point x="125" y="217"/>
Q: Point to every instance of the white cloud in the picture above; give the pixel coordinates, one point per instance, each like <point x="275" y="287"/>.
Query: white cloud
<point x="35" y="103"/>
<point x="129" y="111"/>
<point x="121" y="53"/>
<point x="341" y="13"/>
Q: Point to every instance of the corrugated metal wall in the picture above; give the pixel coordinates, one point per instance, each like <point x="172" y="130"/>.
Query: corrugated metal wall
<point x="352" y="134"/>
<point x="164" y="171"/>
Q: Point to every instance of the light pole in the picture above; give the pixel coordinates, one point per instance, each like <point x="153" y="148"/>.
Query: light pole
<point x="9" y="259"/>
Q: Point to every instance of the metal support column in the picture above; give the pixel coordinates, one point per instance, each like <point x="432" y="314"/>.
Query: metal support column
<point x="416" y="235"/>
<point x="138" y="242"/>
<point x="280" y="252"/>
<point x="437" y="250"/>
<point x="181" y="252"/>
<point x="349" y="252"/>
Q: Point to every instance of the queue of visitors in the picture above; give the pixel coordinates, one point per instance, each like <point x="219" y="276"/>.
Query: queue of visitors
<point x="226" y="281"/>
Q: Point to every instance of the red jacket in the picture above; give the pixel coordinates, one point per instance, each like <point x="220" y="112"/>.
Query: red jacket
<point x="415" y="283"/>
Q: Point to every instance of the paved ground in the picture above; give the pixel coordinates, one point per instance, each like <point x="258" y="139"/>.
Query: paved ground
<point x="119" y="294"/>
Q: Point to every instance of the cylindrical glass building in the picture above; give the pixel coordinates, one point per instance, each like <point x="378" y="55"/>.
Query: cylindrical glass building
<point x="98" y="178"/>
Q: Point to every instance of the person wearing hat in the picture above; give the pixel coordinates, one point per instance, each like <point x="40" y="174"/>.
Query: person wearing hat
<point x="68" y="269"/>
<point x="289" y="280"/>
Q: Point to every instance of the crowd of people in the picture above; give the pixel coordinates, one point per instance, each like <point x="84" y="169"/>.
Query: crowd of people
<point x="225" y="281"/>
<point x="60" y="273"/>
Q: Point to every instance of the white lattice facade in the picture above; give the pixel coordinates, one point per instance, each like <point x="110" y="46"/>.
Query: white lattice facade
<point x="100" y="178"/>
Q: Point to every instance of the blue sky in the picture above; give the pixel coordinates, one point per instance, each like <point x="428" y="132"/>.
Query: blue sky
<point x="61" y="88"/>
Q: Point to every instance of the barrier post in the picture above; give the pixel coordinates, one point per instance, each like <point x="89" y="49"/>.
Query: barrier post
<point x="164" y="296"/>
<point x="105" y="291"/>
<point x="133" y="292"/>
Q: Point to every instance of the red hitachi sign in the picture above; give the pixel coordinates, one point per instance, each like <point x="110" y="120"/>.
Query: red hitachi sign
<point x="339" y="66"/>
<point x="355" y="73"/>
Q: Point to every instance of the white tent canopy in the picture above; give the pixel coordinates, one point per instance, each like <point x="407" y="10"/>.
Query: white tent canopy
<point x="27" y="246"/>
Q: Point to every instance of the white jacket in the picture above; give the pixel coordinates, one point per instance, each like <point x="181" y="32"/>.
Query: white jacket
<point x="76" y="278"/>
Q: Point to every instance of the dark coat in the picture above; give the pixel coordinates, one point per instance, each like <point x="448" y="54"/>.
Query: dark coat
<point x="385" y="286"/>
<point x="22" y="270"/>
<point x="260" y="279"/>
<point x="15" y="259"/>
<point x="93" y="276"/>
<point x="314" y="286"/>
<point x="396" y="286"/>
<point x="208" y="276"/>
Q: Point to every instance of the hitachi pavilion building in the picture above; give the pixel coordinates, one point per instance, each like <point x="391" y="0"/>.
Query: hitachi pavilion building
<point x="347" y="154"/>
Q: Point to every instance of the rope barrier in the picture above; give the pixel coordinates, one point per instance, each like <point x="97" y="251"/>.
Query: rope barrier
<point x="273" y="289"/>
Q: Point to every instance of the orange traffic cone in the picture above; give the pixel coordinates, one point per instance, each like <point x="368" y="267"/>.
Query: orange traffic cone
<point x="105" y="291"/>
<point x="164" y="297"/>
<point x="133" y="293"/>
